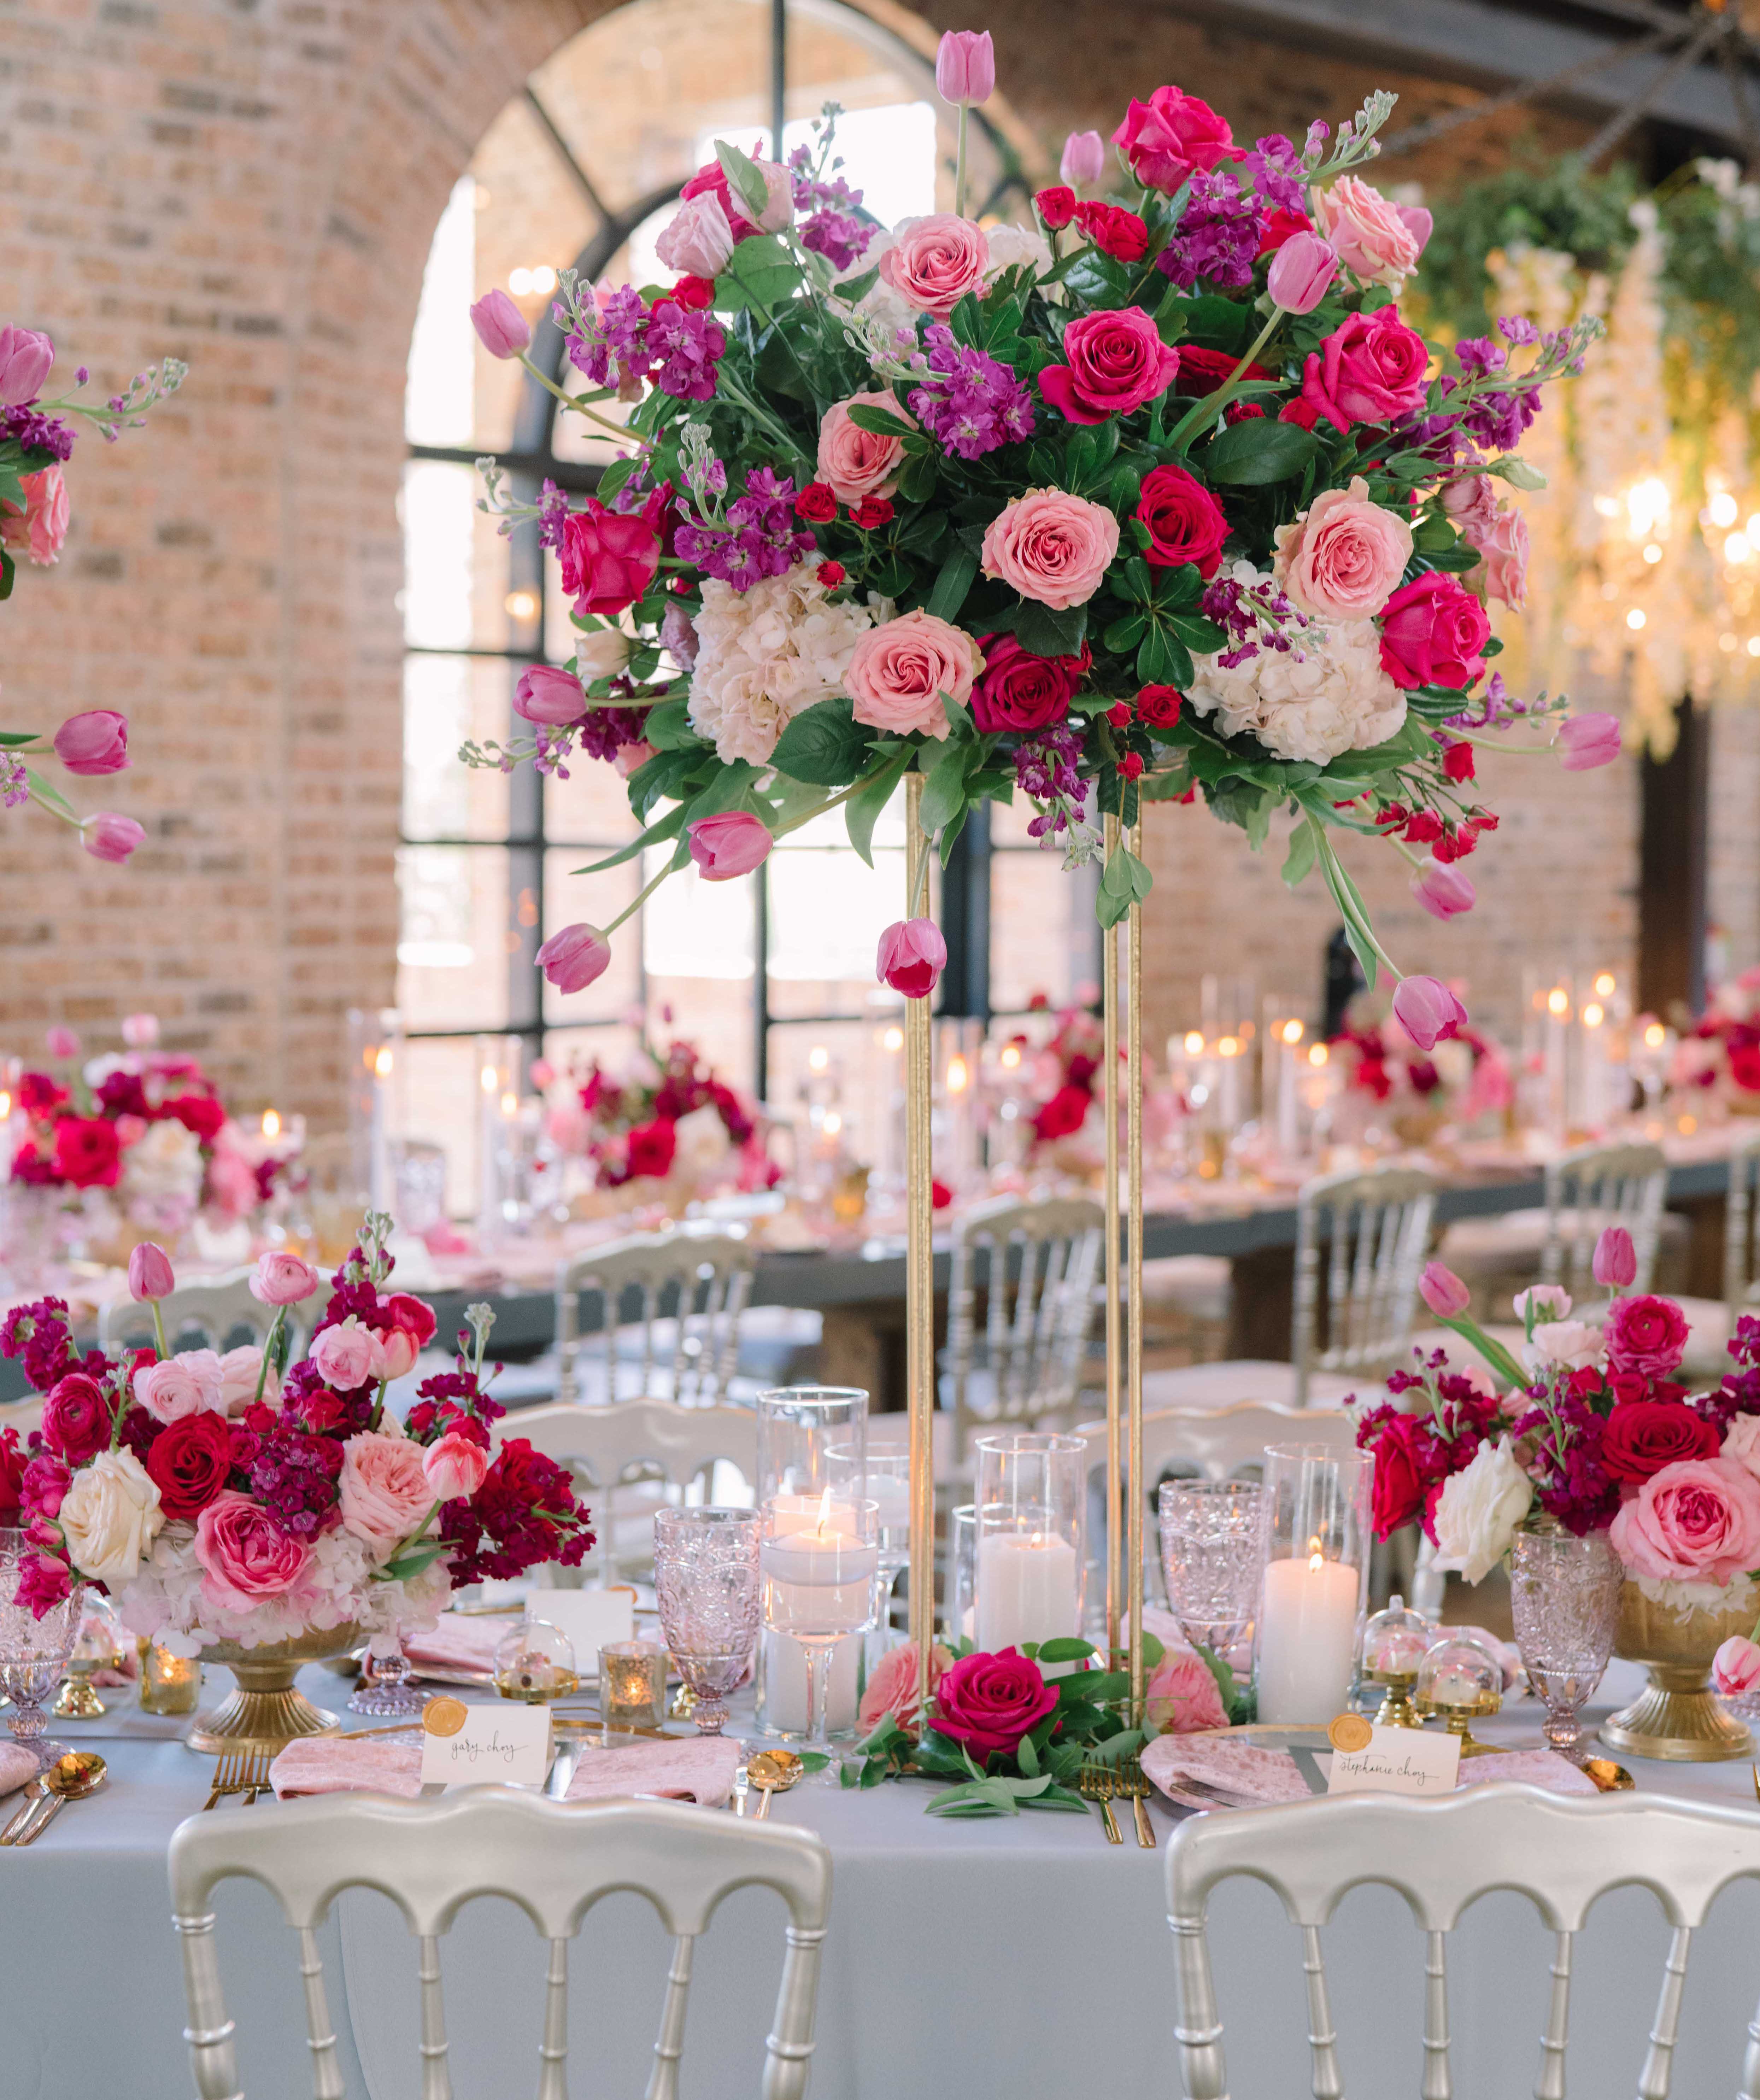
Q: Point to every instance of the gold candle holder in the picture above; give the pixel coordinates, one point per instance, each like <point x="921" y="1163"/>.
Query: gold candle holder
<point x="168" y="1683"/>
<point x="1396" y="1709"/>
<point x="919" y="1272"/>
<point x="632" y="1684"/>
<point x="1460" y="1681"/>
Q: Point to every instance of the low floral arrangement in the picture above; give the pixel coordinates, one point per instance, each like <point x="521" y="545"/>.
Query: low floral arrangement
<point x="1156" y="497"/>
<point x="1066" y="1072"/>
<point x="666" y="1115"/>
<point x="1720" y="1054"/>
<point x="235" y="1498"/>
<point x="1388" y="1076"/>
<point x="37" y="439"/>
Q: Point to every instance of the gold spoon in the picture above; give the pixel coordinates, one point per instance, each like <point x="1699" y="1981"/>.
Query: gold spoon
<point x="773" y="1771"/>
<point x="36" y="1788"/>
<point x="1609" y="1777"/>
<point x="69" y="1778"/>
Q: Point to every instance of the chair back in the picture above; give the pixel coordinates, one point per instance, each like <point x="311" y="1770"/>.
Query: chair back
<point x="1561" y="1852"/>
<point x="554" y="1861"/>
<point x="1371" y="1231"/>
<point x="215" y="1310"/>
<point x="682" y="1292"/>
<point x="1036" y="1262"/>
<point x="1741" y="1228"/>
<point x="1590" y="1189"/>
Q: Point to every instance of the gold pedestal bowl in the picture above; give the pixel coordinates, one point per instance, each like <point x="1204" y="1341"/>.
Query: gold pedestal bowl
<point x="1677" y="1717"/>
<point x="266" y="1712"/>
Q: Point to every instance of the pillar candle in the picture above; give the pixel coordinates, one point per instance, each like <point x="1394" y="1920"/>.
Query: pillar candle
<point x="1027" y="1589"/>
<point x="1307" y="1638"/>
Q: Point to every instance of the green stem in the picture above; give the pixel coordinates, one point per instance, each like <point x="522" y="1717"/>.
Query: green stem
<point x="629" y="912"/>
<point x="158" y="1331"/>
<point x="617" y="429"/>
<point x="269" y="1341"/>
<point x="1213" y="404"/>
<point x="1496" y="1355"/>
<point x="958" y="173"/>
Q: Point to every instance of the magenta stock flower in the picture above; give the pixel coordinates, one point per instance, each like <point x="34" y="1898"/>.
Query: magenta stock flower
<point x="572" y="958"/>
<point x="1616" y="1259"/>
<point x="1443" y="1291"/>
<point x="1300" y="273"/>
<point x="965" y="67"/>
<point x="93" y="743"/>
<point x="1084" y="159"/>
<point x="912" y="956"/>
<point x="1587" y="741"/>
<point x="1443" y="890"/>
<point x="502" y="328"/>
<point x="149" y="1273"/>
<point x="25" y="357"/>
<point x="107" y="836"/>
<point x="730" y="844"/>
<point x="1427" y="1011"/>
<point x="549" y="696"/>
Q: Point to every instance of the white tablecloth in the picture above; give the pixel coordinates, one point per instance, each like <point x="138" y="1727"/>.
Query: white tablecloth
<point x="989" y="1961"/>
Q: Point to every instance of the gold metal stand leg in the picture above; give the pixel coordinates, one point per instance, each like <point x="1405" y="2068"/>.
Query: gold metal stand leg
<point x="920" y="1317"/>
<point x="1109" y="967"/>
<point x="1134" y="1284"/>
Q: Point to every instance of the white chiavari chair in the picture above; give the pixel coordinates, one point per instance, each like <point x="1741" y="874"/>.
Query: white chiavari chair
<point x="690" y="1289"/>
<point x="1440" y="1855"/>
<point x="554" y="1861"/>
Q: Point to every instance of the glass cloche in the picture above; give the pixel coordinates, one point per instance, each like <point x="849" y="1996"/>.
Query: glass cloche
<point x="535" y="1662"/>
<point x="1459" y="1680"/>
<point x="1394" y="1644"/>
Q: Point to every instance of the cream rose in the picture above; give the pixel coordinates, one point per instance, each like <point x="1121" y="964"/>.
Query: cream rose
<point x="1479" y="1510"/>
<point x="1052" y="547"/>
<point x="900" y="672"/>
<point x="1572" y="1343"/>
<point x="109" y="1516"/>
<point x="854" y="463"/>
<point x="1373" y="241"/>
<point x="1343" y="557"/>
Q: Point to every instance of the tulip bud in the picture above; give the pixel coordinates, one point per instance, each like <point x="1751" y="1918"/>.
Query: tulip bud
<point x="1443" y="1291"/>
<point x="1587" y="741"/>
<point x="61" y="1042"/>
<point x="1084" y="159"/>
<point x="93" y="743"/>
<point x="730" y="844"/>
<point x="1616" y="1259"/>
<point x="107" y="836"/>
<point x="912" y="956"/>
<point x="572" y="958"/>
<point x="455" y="1467"/>
<point x="965" y="67"/>
<point x="25" y="357"/>
<point x="149" y="1273"/>
<point x="502" y="328"/>
<point x="549" y="697"/>
<point x="1300" y="272"/>
<point x="1443" y="891"/>
<point x="1427" y="1011"/>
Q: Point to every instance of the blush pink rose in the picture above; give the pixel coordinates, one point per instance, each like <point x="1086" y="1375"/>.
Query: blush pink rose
<point x="383" y="1488"/>
<point x="1343" y="558"/>
<point x="1372" y="368"/>
<point x="41" y="526"/>
<point x="239" y="1370"/>
<point x="1052" y="547"/>
<point x="347" y="1356"/>
<point x="698" y="240"/>
<point x="1504" y="551"/>
<point x="1471" y="501"/>
<point x="248" y="1557"/>
<point x="1117" y="361"/>
<point x="900" y="672"/>
<point x="454" y="1467"/>
<point x="1696" y="1521"/>
<point x="936" y="260"/>
<point x="854" y="463"/>
<point x="1182" y="1694"/>
<point x="1373" y="240"/>
<point x="892" y="1687"/>
<point x="181" y="1385"/>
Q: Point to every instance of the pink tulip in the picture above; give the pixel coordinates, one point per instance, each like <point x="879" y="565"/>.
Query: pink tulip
<point x="1442" y="889"/>
<point x="502" y="328"/>
<point x="1443" y="1291"/>
<point x="1736" y="1667"/>
<point x="455" y="1467"/>
<point x="731" y="844"/>
<point x="573" y="958"/>
<point x="149" y="1273"/>
<point x="1417" y="222"/>
<point x="1587" y="741"/>
<point x="1427" y="1011"/>
<point x="107" y="836"/>
<point x="1084" y="159"/>
<point x="912" y="956"/>
<point x="965" y="67"/>
<point x="25" y="357"/>
<point x="61" y="1042"/>
<point x="547" y="696"/>
<point x="1300" y="271"/>
<point x="93" y="743"/>
<point x="1616" y="1260"/>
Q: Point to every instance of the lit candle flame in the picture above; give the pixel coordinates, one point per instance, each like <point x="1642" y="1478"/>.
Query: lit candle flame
<point x="893" y="1039"/>
<point x="271" y="1123"/>
<point x="381" y="1064"/>
<point x="1316" y="1559"/>
<point x="957" y="1076"/>
<point x="487" y="1079"/>
<point x="1194" y="1044"/>
<point x="1558" y="1002"/>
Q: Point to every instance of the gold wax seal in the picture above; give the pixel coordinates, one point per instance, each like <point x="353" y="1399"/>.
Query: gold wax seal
<point x="446" y="1716"/>
<point x="1349" y="1731"/>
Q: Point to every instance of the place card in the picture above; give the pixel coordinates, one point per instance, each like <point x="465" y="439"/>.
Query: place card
<point x="1397" y="1761"/>
<point x="591" y="1618"/>
<point x="506" y="1744"/>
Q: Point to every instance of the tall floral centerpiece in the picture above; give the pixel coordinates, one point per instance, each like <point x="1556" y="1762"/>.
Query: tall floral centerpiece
<point x="262" y="1514"/>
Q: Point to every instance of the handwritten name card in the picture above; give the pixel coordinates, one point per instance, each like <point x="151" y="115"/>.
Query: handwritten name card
<point x="507" y="1744"/>
<point x="1398" y="1761"/>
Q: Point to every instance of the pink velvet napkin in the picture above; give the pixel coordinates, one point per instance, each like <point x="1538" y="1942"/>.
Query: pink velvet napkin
<point x="17" y="1764"/>
<point x="686" y="1770"/>
<point x="461" y="1641"/>
<point x="1265" y="1776"/>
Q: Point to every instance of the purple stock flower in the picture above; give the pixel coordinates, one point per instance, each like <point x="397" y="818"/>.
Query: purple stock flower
<point x="37" y="432"/>
<point x="968" y="401"/>
<point x="1277" y="173"/>
<point x="1254" y="616"/>
<point x="1218" y="236"/>
<point x="825" y="214"/>
<point x="607" y="347"/>
<point x="685" y="349"/>
<point x="14" y="782"/>
<point x="606" y="730"/>
<point x="762" y="540"/>
<point x="553" y="514"/>
<point x="1515" y="328"/>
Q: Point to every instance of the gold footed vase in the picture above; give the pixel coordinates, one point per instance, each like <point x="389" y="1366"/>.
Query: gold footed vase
<point x="1677" y="1716"/>
<point x="266" y="1712"/>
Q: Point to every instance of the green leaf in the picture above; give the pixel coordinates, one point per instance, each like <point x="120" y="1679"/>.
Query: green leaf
<point x="11" y="738"/>
<point x="1299" y="859"/>
<point x="49" y="798"/>
<point x="1250" y="455"/>
<point x="954" y="580"/>
<point x="824" y="744"/>
<point x="944" y="789"/>
<point x="762" y="276"/>
<point x="1433" y="533"/>
<point x="668" y="726"/>
<point x="852" y="290"/>
<point x="667" y="827"/>
<point x="1164" y="660"/>
<point x="916" y="480"/>
<point x="413" y="1563"/>
<point x="743" y="175"/>
<point x="862" y="811"/>
<point x="1124" y="882"/>
<point x="1202" y="636"/>
<point x="1066" y="1647"/>
<point x="1042" y="632"/>
<point x="880" y="421"/>
<point x="1124" y="634"/>
<point x="8" y="573"/>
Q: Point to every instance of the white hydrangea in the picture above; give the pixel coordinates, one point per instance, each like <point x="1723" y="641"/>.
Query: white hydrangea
<point x="1010" y="246"/>
<point x="1326" y="694"/>
<point x="766" y="654"/>
<point x="167" y="1601"/>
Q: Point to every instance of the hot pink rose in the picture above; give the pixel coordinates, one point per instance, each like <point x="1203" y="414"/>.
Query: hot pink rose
<point x="1433" y="633"/>
<point x="1736" y="1667"/>
<point x="1504" y="549"/>
<point x="1647" y="1335"/>
<point x="892" y="1687"/>
<point x="698" y="240"/>
<point x="454" y="1467"/>
<point x="854" y="463"/>
<point x="383" y="1488"/>
<point x="1182" y="1694"/>
<point x="181" y="1385"/>
<point x="248" y="1557"/>
<point x="347" y="1356"/>
<point x="1371" y="369"/>
<point x="1170" y="137"/>
<point x="1052" y="547"/>
<point x="1343" y="558"/>
<point x="1117" y="361"/>
<point x="1696" y="1521"/>
<point x="899" y="672"/>
<point x="41" y="526"/>
<point x="936" y="260"/>
<point x="1371" y="236"/>
<point x="609" y="557"/>
<point x="989" y="1702"/>
<point x="282" y="1279"/>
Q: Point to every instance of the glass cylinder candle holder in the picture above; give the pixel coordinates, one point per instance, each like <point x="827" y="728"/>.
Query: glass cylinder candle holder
<point x="800" y="1427"/>
<point x="632" y="1684"/>
<point x="961" y="1617"/>
<point x="1030" y="1505"/>
<point x="168" y="1683"/>
<point x="1316" y="1511"/>
<point x="818" y="1587"/>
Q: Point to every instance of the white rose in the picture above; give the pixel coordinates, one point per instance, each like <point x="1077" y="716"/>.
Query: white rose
<point x="602" y="654"/>
<point x="1550" y="1301"/>
<point x="702" y="1142"/>
<point x="1573" y="1343"/>
<point x="110" y="1515"/>
<point x="1011" y="245"/>
<point x="1741" y="1442"/>
<point x="1479" y="1510"/>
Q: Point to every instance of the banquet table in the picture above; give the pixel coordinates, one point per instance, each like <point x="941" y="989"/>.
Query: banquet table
<point x="966" y="1961"/>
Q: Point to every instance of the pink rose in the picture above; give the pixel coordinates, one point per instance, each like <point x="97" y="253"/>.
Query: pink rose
<point x="1696" y="1521"/>
<point x="1736" y="1667"/>
<point x="453" y="1468"/>
<point x="384" y="1488"/>
<point x="1182" y="1694"/>
<point x="1433" y="633"/>
<point x="698" y="240"/>
<point x="1052" y="547"/>
<point x="854" y="463"/>
<point x="891" y="1689"/>
<point x="1117" y="361"/>
<point x="1343" y="557"/>
<point x="41" y="526"/>
<point x="346" y="1356"/>
<point x="1504" y="549"/>
<point x="1371" y="369"/>
<point x="282" y="1279"/>
<point x="730" y="844"/>
<point x="181" y="1385"/>
<point x="1372" y="238"/>
<point x="1647" y="1336"/>
<point x="936" y="260"/>
<point x="989" y="1702"/>
<point x="1170" y="137"/>
<point x="248" y="1557"/>
<point x="900" y="671"/>
<point x="609" y="557"/>
<point x="1471" y="501"/>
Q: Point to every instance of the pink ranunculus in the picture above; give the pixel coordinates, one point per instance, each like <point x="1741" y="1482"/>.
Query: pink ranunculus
<point x="699" y="240"/>
<point x="248" y="1557"/>
<point x="26" y="355"/>
<point x="347" y="1356"/>
<point x="965" y="67"/>
<point x="1182" y="1694"/>
<point x="1116" y="363"/>
<point x="282" y="1279"/>
<point x="1084" y="159"/>
<point x="1170" y="137"/>
<point x="609" y="557"/>
<point x="1587" y="741"/>
<point x="94" y="743"/>
<point x="150" y="1273"/>
<point x="454" y="1467"/>
<point x="900" y="671"/>
<point x="574" y="957"/>
<point x="912" y="955"/>
<point x="1301" y="273"/>
<point x="181" y="1385"/>
<point x="1433" y="633"/>
<point x="1616" y="1259"/>
<point x="1697" y="1520"/>
<point x="1736" y="1667"/>
<point x="1343" y="557"/>
<point x="549" y="696"/>
<point x="383" y="1488"/>
<point x="1427" y="1011"/>
<point x="1504" y="550"/>
<point x="1371" y="369"/>
<point x="40" y="529"/>
<point x="854" y="463"/>
<point x="1373" y="238"/>
<point x="1052" y="547"/>
<point x="731" y="843"/>
<point x="935" y="262"/>
<point x="1442" y="888"/>
<point x="502" y="328"/>
<point x="105" y="836"/>
<point x="892" y="1688"/>
<point x="1647" y="1335"/>
<point x="1443" y="1291"/>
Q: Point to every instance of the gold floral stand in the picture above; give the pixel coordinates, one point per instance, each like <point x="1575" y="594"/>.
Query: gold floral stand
<point x="266" y="1712"/>
<point x="1677" y="1716"/>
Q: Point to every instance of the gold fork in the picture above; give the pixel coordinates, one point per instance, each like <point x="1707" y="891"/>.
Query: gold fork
<point x="226" y="1780"/>
<point x="1099" y="1783"/>
<point x="1133" y="1784"/>
<point x="239" y="1771"/>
